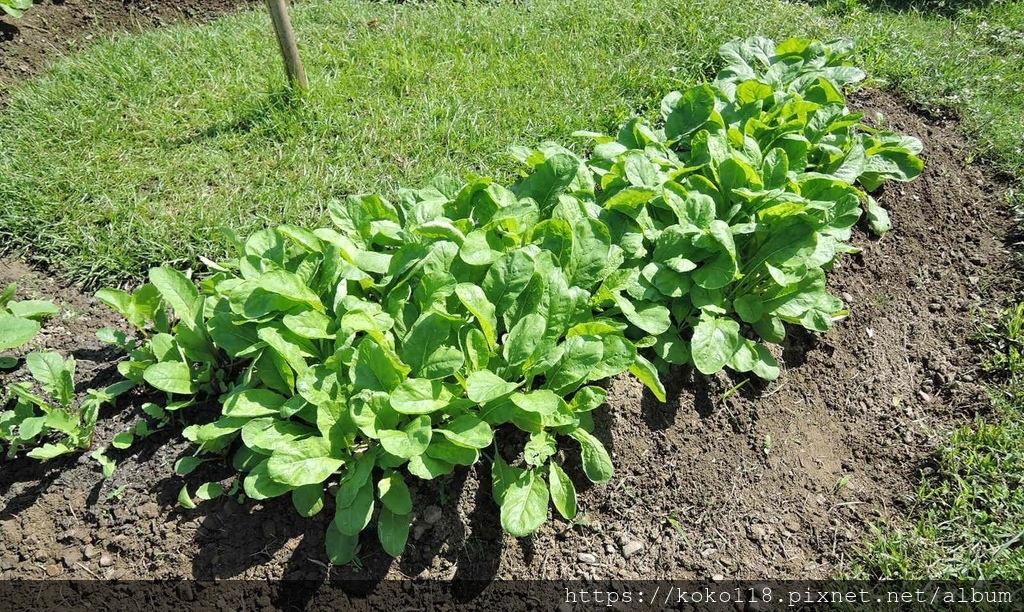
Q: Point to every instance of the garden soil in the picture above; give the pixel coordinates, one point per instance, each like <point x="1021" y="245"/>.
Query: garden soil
<point x="767" y="480"/>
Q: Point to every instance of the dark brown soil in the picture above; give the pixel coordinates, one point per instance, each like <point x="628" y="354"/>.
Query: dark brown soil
<point x="773" y="481"/>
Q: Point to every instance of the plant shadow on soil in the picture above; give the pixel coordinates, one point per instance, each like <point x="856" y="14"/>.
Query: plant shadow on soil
<point x="773" y="479"/>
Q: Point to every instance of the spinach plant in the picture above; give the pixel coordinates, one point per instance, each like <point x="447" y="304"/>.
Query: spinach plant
<point x="15" y="8"/>
<point x="412" y="337"/>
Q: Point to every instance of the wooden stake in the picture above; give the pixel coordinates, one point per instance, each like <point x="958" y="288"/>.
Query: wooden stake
<point x="286" y="41"/>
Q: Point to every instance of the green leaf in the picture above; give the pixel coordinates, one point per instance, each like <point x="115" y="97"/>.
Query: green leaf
<point x="524" y="505"/>
<point x="441" y="448"/>
<point x="259" y="485"/>
<point x="685" y="112"/>
<point x="597" y="465"/>
<point x="878" y="217"/>
<point x="410" y="441"/>
<point x="587" y="399"/>
<point x="33" y="309"/>
<point x="648" y="316"/>
<point x="209" y="490"/>
<point x="185" y="499"/>
<point x="290" y="286"/>
<point x="375" y="368"/>
<point x="392" y="531"/>
<point x="469" y="431"/>
<point x="715" y="340"/>
<point x="186" y="465"/>
<point x="539" y="448"/>
<point x="308" y="499"/>
<point x="394" y="493"/>
<point x="548" y="180"/>
<point x="473" y="298"/>
<point x="419" y="396"/>
<point x="563" y="493"/>
<point x="341" y="548"/>
<point x="253" y="403"/>
<point x="49" y="451"/>
<point x="309" y="324"/>
<point x="303" y="462"/>
<point x="178" y="291"/>
<point x="172" y="377"/>
<point x="123" y="440"/>
<point x="354" y="517"/>
<point x="15" y="332"/>
<point x="523" y="339"/>
<point x="541" y="401"/>
<point x="7" y="363"/>
<point x="429" y="468"/>
<point x="506" y="279"/>
<point x="484" y="386"/>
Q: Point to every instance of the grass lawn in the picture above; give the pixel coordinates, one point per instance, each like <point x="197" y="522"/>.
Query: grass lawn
<point x="135" y="151"/>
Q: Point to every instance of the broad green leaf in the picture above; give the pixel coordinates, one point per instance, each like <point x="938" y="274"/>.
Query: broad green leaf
<point x="549" y="179"/>
<point x="473" y="298"/>
<point x="172" y="377"/>
<point x="581" y="355"/>
<point x="646" y="373"/>
<point x="394" y="493"/>
<point x="688" y="111"/>
<point x="484" y="386"/>
<point x="304" y="462"/>
<point x="588" y="398"/>
<point x="123" y="440"/>
<point x="49" y="451"/>
<point x="179" y="292"/>
<point x="597" y="465"/>
<point x="341" y="548"/>
<point x="651" y="317"/>
<point x="563" y="493"/>
<point x="309" y="324"/>
<point x="715" y="341"/>
<point x="253" y="403"/>
<point x="440" y="448"/>
<point x="469" y="431"/>
<point x="354" y="517"/>
<point x="185" y="499"/>
<point x="541" y="401"/>
<point x="392" y="531"/>
<point x="269" y="435"/>
<point x="33" y="309"/>
<point x="186" y="465"/>
<point x="429" y="468"/>
<point x="289" y="285"/>
<point x="209" y="490"/>
<point x="506" y="279"/>
<point x="420" y="396"/>
<point x="502" y="477"/>
<point x="376" y="368"/>
<point x="15" y="332"/>
<point x="259" y="485"/>
<point x="410" y="441"/>
<point x="878" y="217"/>
<point x="524" y="506"/>
<point x="308" y="499"/>
<point x="523" y="339"/>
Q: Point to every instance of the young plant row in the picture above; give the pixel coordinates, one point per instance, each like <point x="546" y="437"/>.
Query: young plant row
<point x="407" y="338"/>
<point x="53" y="422"/>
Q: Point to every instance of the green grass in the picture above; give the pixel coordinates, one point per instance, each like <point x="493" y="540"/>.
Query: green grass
<point x="134" y="151"/>
<point x="968" y="522"/>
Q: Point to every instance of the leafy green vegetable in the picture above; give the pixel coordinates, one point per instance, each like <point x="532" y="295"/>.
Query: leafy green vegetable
<point x="409" y="338"/>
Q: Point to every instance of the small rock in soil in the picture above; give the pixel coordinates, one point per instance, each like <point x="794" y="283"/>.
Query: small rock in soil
<point x="756" y="532"/>
<point x="106" y="560"/>
<point x="631" y="548"/>
<point x="587" y="558"/>
<point x="418" y="531"/>
<point x="718" y="577"/>
<point x="90" y="551"/>
<point x="431" y="514"/>
<point x="53" y="570"/>
<point x="72" y="556"/>
<point x="148" y="510"/>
